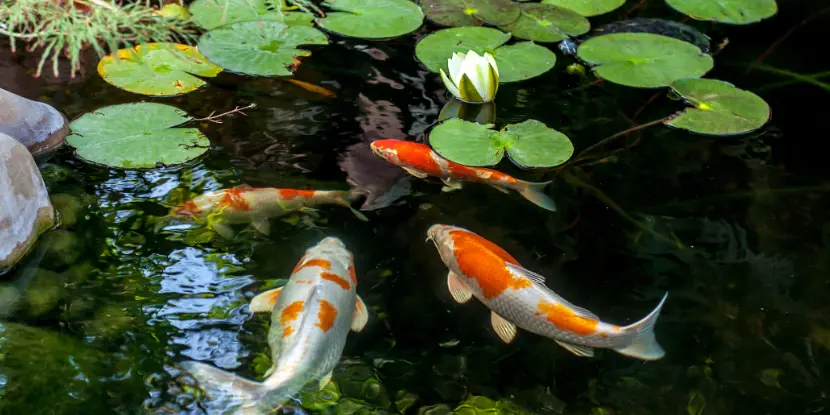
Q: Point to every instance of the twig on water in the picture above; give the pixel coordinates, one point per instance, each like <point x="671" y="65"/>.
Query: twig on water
<point x="216" y="118"/>
<point x="606" y="140"/>
<point x="757" y="62"/>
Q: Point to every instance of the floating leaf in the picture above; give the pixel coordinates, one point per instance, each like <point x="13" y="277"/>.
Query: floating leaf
<point x="528" y="144"/>
<point x="643" y="60"/>
<point x="516" y="62"/>
<point x="372" y="19"/>
<point x="259" y="48"/>
<point x="587" y="7"/>
<point x="726" y="11"/>
<point x="470" y="12"/>
<point x="136" y="135"/>
<point x="158" y="69"/>
<point x="547" y="23"/>
<point x="210" y="14"/>
<point x="719" y="108"/>
<point x="654" y="26"/>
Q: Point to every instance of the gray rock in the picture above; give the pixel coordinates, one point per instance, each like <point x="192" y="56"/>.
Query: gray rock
<point x="25" y="209"/>
<point x="38" y="126"/>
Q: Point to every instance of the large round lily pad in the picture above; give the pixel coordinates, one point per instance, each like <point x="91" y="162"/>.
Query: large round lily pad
<point x="470" y="12"/>
<point x="587" y="7"/>
<point x="718" y="108"/>
<point x="372" y="19"/>
<point x="547" y="23"/>
<point x="516" y="62"/>
<point x="264" y="48"/>
<point x="158" y="69"/>
<point x="210" y="14"/>
<point x="643" y="60"/>
<point x="533" y="144"/>
<point x="467" y="143"/>
<point x="136" y="135"/>
<point x="726" y="11"/>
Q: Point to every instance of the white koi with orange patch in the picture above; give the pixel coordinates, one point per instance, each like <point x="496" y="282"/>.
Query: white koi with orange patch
<point x="310" y="318"/>
<point x="518" y="297"/>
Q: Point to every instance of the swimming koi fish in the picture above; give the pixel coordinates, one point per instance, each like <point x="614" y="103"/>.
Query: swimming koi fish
<point x="244" y="204"/>
<point x="421" y="161"/>
<point x="310" y="318"/>
<point x="518" y="297"/>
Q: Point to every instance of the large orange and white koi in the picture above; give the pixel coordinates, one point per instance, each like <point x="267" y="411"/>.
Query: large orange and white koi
<point x="518" y="297"/>
<point x="421" y="161"/>
<point x="244" y="204"/>
<point x="310" y="318"/>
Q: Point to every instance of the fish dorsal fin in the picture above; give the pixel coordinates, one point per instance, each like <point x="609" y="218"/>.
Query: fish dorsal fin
<point x="540" y="279"/>
<point x="524" y="272"/>
<point x="582" y="351"/>
<point x="360" y="316"/>
<point x="459" y="290"/>
<point x="505" y="329"/>
<point x="264" y="302"/>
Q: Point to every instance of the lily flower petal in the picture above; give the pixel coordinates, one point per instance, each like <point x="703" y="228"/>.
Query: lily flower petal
<point x="492" y="62"/>
<point x="450" y="85"/>
<point x="467" y="91"/>
<point x="470" y="69"/>
<point x="454" y="65"/>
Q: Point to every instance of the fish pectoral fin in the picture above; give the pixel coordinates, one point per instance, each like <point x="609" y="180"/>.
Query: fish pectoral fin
<point x="524" y="272"/>
<point x="361" y="315"/>
<point x="262" y="225"/>
<point x="270" y="371"/>
<point x="499" y="188"/>
<point x="325" y="380"/>
<point x="415" y="173"/>
<point x="359" y="215"/>
<point x="264" y="302"/>
<point x="505" y="329"/>
<point x="222" y="229"/>
<point x="579" y="350"/>
<point x="459" y="290"/>
<point x="451" y="185"/>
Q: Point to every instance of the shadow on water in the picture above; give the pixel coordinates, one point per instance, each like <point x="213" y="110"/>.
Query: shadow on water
<point x="736" y="229"/>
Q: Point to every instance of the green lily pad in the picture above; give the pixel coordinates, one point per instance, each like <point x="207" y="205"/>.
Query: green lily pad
<point x="718" y="108"/>
<point x="157" y="69"/>
<point x="547" y="23"/>
<point x="372" y="19"/>
<point x="210" y="14"/>
<point x="516" y="62"/>
<point x="587" y="8"/>
<point x="726" y="11"/>
<point x="259" y="48"/>
<point x="135" y="136"/>
<point x="470" y="12"/>
<point x="643" y="60"/>
<point x="527" y="144"/>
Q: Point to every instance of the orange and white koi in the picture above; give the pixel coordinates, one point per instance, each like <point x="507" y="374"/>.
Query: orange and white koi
<point x="244" y="204"/>
<point x="310" y="318"/>
<point x="518" y="297"/>
<point x="421" y="161"/>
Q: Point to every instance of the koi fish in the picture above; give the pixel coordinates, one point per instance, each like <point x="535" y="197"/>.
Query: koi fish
<point x="420" y="161"/>
<point x="310" y="318"/>
<point x="518" y="297"/>
<point x="244" y="204"/>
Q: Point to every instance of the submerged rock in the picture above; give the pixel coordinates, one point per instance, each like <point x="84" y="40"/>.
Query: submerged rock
<point x="40" y="127"/>
<point x="25" y="209"/>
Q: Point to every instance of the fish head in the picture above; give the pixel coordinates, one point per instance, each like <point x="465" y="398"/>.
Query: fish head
<point x="334" y="250"/>
<point x="388" y="149"/>
<point x="197" y="207"/>
<point x="439" y="234"/>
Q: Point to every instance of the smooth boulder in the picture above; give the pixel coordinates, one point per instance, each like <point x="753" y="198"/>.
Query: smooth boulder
<point x="40" y="127"/>
<point x="25" y="209"/>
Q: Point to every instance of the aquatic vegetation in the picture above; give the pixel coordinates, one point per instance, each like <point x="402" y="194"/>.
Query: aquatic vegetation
<point x="372" y="19"/>
<point x="471" y="12"/>
<point x="726" y="11"/>
<point x="210" y="14"/>
<point x="718" y="108"/>
<point x="547" y="23"/>
<point x="588" y="8"/>
<point x="472" y="78"/>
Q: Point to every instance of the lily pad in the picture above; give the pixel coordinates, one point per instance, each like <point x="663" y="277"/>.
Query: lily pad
<point x="528" y="144"/>
<point x="157" y="69"/>
<point x="654" y="26"/>
<point x="587" y="8"/>
<point x="643" y="60"/>
<point x="516" y="62"/>
<point x="372" y="19"/>
<point x="547" y="23"/>
<point x="726" y="11"/>
<point x="259" y="48"/>
<point x="719" y="108"/>
<point x="210" y="14"/>
<point x="470" y="12"/>
<point x="138" y="135"/>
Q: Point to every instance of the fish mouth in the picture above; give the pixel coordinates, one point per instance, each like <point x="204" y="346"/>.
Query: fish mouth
<point x="432" y="233"/>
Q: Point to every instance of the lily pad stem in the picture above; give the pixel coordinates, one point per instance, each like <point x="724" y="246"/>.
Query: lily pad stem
<point x="623" y="133"/>
<point x="216" y="118"/>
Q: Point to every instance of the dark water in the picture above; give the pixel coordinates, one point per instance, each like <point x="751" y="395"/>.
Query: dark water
<point x="735" y="229"/>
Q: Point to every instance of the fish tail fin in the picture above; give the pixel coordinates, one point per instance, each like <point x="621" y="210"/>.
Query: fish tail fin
<point x="229" y="390"/>
<point x="535" y="192"/>
<point x="645" y="345"/>
<point x="348" y="197"/>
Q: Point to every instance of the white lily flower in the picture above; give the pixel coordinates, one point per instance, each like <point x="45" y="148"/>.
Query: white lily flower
<point x="473" y="78"/>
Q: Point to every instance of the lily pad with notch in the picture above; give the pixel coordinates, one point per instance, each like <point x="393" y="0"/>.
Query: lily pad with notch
<point x="372" y="19"/>
<point x="264" y="48"/>
<point x="530" y="144"/>
<point x="157" y="69"/>
<point x="547" y="23"/>
<point x="737" y="12"/>
<point x="470" y="12"/>
<point x="136" y="136"/>
<point x="587" y="8"/>
<point x="643" y="60"/>
<point x="210" y="14"/>
<point x="718" y="108"/>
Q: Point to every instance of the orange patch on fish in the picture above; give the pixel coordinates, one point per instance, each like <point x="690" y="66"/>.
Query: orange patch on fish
<point x="314" y="88"/>
<point x="327" y="315"/>
<point x="352" y="273"/>
<point x="291" y="194"/>
<point x="486" y="263"/>
<point x="328" y="276"/>
<point x="235" y="199"/>
<point x="417" y="156"/>
<point x="287" y="331"/>
<point x="189" y="208"/>
<point x="315" y="262"/>
<point x="291" y="312"/>
<point x="565" y="319"/>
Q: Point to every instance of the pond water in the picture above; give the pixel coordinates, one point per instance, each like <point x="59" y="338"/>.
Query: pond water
<point x="735" y="229"/>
